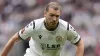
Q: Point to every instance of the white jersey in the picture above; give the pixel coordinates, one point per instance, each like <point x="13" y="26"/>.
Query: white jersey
<point x="48" y="43"/>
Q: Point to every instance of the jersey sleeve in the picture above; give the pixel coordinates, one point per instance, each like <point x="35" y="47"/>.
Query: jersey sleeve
<point x="72" y="35"/>
<point x="26" y="31"/>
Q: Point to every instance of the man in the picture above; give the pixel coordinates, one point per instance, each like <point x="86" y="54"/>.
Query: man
<point x="47" y="35"/>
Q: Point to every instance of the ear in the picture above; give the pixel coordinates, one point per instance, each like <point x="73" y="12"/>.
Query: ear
<point x="44" y="13"/>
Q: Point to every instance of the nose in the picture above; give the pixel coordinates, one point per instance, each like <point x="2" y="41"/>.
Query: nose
<point x="54" y="19"/>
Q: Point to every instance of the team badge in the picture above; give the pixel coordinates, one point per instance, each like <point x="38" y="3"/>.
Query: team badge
<point x="58" y="38"/>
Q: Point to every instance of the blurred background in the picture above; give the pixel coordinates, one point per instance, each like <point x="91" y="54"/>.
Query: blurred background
<point x="83" y="15"/>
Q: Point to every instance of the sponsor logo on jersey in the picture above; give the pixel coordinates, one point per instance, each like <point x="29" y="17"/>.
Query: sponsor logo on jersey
<point x="58" y="38"/>
<point x="50" y="47"/>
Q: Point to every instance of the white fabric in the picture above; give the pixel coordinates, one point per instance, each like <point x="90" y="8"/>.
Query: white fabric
<point x="48" y="43"/>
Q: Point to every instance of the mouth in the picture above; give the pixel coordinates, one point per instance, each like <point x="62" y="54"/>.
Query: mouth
<point x="53" y="23"/>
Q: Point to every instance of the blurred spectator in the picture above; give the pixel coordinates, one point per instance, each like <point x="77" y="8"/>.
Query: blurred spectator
<point x="84" y="15"/>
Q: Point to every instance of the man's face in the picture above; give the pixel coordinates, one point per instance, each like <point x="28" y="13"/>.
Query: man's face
<point x="52" y="17"/>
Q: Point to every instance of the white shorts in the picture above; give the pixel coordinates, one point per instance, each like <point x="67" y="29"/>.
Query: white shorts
<point x="30" y="53"/>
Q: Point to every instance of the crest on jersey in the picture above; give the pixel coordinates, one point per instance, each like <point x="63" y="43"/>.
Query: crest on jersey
<point x="58" y="38"/>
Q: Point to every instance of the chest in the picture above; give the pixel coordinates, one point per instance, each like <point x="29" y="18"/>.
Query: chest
<point x="50" y="40"/>
<point x="49" y="37"/>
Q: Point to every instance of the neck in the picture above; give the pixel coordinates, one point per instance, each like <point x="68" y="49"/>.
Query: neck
<point x="50" y="28"/>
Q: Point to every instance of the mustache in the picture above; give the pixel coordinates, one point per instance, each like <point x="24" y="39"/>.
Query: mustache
<point x="53" y="21"/>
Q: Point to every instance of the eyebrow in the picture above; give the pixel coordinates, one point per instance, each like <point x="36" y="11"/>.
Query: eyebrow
<point x="54" y="15"/>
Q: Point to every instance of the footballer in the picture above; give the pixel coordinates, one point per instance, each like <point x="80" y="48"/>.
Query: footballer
<point x="47" y="35"/>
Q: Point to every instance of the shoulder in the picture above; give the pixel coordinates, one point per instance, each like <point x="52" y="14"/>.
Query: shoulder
<point x="38" y="22"/>
<point x="33" y="24"/>
<point x="63" y="23"/>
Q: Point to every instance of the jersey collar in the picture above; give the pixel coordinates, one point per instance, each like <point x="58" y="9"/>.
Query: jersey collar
<point x="50" y="29"/>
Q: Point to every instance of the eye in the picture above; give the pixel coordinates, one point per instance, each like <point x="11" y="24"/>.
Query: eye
<point x="57" y="15"/>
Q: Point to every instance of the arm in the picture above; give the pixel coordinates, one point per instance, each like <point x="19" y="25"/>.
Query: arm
<point x="10" y="44"/>
<point x="23" y="34"/>
<point x="80" y="48"/>
<point x="75" y="38"/>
